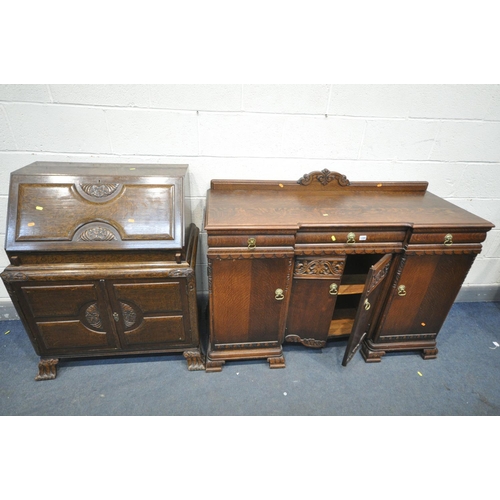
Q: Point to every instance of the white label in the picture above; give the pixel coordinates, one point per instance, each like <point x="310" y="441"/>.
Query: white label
<point x="362" y="237"/>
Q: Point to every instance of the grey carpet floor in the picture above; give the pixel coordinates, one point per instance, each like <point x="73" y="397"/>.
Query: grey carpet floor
<point x="462" y="381"/>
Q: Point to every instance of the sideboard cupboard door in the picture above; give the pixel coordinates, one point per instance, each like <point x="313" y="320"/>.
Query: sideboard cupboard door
<point x="68" y="317"/>
<point x="423" y="295"/>
<point x="376" y="276"/>
<point x="316" y="284"/>
<point x="248" y="299"/>
<point x="150" y="314"/>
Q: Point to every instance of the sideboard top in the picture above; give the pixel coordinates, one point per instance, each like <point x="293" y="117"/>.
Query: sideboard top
<point x="323" y="199"/>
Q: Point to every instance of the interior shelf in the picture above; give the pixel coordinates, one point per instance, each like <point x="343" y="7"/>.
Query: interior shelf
<point x="342" y="322"/>
<point x="351" y="289"/>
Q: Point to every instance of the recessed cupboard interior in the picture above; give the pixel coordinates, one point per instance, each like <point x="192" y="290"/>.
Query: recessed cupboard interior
<point x="350" y="291"/>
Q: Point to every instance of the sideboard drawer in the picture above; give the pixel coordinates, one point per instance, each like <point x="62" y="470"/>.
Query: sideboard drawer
<point x="251" y="240"/>
<point x="354" y="236"/>
<point x="447" y="238"/>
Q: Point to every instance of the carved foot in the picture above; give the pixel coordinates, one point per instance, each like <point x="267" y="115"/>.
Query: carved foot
<point x="371" y="356"/>
<point x="195" y="360"/>
<point x="47" y="369"/>
<point x="429" y="353"/>
<point x="214" y="366"/>
<point x="278" y="362"/>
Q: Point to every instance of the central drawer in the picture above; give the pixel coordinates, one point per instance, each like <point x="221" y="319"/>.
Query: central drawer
<point x="350" y="237"/>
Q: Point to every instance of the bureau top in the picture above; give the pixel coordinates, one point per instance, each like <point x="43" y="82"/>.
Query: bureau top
<point x="56" y="206"/>
<point x="51" y="168"/>
<point x="327" y="199"/>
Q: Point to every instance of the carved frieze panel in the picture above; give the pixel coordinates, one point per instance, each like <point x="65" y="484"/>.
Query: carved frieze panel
<point x="319" y="267"/>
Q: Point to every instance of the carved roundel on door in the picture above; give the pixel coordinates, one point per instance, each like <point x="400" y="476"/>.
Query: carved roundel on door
<point x="131" y="315"/>
<point x="91" y="316"/>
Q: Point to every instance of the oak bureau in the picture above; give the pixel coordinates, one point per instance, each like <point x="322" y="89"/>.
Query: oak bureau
<point x="102" y="261"/>
<point x="377" y="263"/>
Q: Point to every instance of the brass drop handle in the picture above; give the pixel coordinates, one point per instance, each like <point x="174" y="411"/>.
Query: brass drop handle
<point x="448" y="239"/>
<point x="334" y="289"/>
<point x="116" y="317"/>
<point x="351" y="238"/>
<point x="278" y="294"/>
<point x="367" y="305"/>
<point x="401" y="290"/>
<point x="251" y="243"/>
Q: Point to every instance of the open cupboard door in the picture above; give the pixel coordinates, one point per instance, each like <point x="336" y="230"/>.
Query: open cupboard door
<point x="376" y="276"/>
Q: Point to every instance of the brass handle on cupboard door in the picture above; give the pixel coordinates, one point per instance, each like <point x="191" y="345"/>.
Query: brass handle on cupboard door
<point x="334" y="289"/>
<point x="351" y="238"/>
<point x="448" y="239"/>
<point x="401" y="290"/>
<point x="251" y="243"/>
<point x="278" y="294"/>
<point x="116" y="317"/>
<point x="367" y="305"/>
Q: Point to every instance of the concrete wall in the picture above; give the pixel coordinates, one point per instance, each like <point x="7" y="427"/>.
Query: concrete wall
<point x="448" y="135"/>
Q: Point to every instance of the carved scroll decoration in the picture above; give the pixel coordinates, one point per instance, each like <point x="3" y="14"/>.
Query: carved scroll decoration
<point x="319" y="267"/>
<point x="399" y="271"/>
<point x="99" y="190"/>
<point x="378" y="277"/>
<point x="93" y="316"/>
<point x="324" y="177"/>
<point x="306" y="342"/>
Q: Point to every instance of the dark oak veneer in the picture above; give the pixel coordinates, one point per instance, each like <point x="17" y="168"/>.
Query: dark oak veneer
<point x="308" y="261"/>
<point x="103" y="261"/>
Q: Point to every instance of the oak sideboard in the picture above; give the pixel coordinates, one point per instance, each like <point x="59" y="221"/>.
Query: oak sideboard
<point x="322" y="258"/>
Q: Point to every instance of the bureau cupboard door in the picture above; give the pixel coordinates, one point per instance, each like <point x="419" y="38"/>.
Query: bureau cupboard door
<point x="248" y="300"/>
<point x="423" y="296"/>
<point x="67" y="317"/>
<point x="371" y="293"/>
<point x="151" y="314"/>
